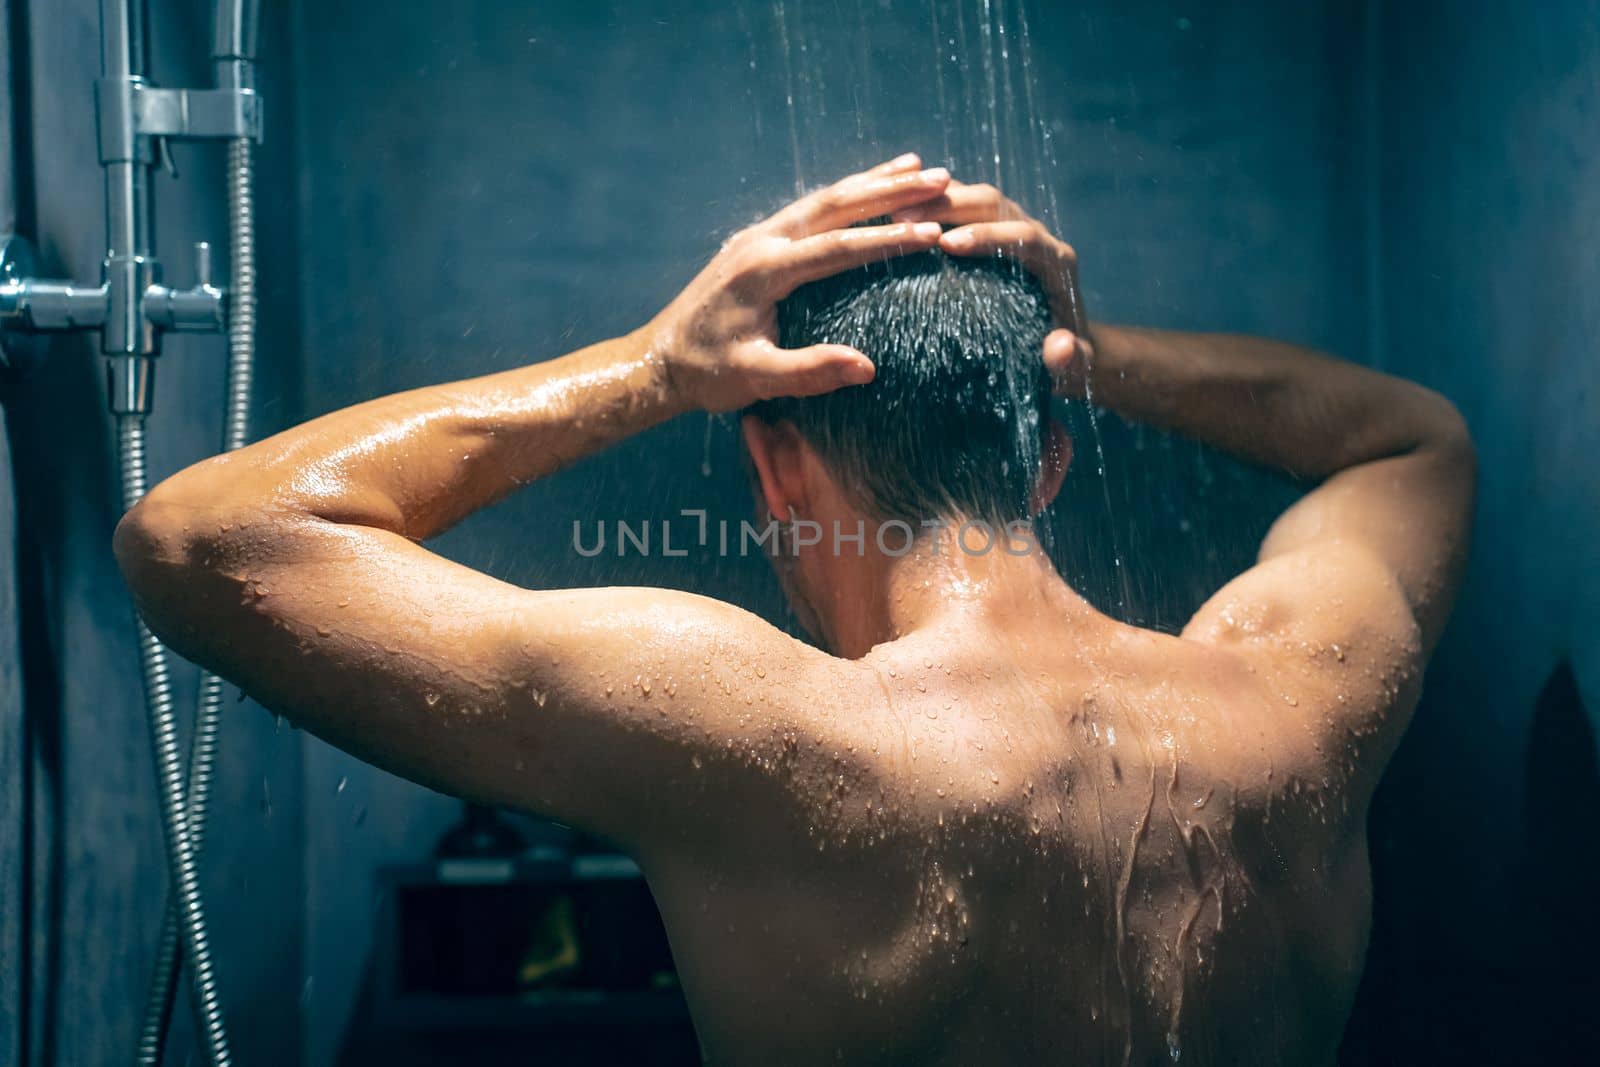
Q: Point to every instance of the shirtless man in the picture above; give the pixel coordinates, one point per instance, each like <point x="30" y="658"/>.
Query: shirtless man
<point x="987" y="825"/>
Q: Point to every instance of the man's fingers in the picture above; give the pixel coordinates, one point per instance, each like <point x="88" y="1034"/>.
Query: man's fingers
<point x="858" y="197"/>
<point x="809" y="371"/>
<point x="1060" y="348"/>
<point x="824" y="254"/>
<point x="962" y="204"/>
<point x="897" y="165"/>
<point x="1068" y="358"/>
<point x="992" y="238"/>
<point x="1048" y="259"/>
<point x="1026" y="241"/>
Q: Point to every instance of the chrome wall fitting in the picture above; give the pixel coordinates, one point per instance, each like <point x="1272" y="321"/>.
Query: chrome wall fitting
<point x="130" y="307"/>
<point x="18" y="350"/>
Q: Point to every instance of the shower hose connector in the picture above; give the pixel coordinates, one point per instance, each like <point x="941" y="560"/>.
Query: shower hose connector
<point x="132" y="309"/>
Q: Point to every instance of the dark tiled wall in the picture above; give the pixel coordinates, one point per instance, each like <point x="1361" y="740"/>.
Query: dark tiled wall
<point x="477" y="184"/>
<point x="95" y="883"/>
<point x="486" y="184"/>
<point x="1483" y="837"/>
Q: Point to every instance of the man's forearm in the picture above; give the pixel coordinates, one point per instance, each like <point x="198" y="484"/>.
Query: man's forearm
<point x="1269" y="402"/>
<point x="417" y="462"/>
<point x="414" y="463"/>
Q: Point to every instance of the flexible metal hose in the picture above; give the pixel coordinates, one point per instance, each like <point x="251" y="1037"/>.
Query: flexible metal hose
<point x="242" y="292"/>
<point x="169" y="951"/>
<point x="182" y="869"/>
<point x="236" y="432"/>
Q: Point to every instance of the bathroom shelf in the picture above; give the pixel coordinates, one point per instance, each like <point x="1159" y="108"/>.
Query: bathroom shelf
<point x="537" y="866"/>
<point x="564" y="1008"/>
<point x="455" y="938"/>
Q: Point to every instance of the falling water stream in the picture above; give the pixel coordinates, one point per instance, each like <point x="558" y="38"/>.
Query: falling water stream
<point x="825" y="87"/>
<point x="966" y="92"/>
<point x="980" y="125"/>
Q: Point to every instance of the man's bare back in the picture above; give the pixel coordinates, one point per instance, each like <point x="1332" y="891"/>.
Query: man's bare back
<point x="1050" y="839"/>
<point x="989" y="824"/>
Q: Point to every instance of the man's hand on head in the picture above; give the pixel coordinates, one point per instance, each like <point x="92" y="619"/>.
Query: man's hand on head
<point x="983" y="221"/>
<point x="717" y="341"/>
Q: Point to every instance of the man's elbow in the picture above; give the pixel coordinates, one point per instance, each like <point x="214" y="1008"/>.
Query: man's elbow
<point x="155" y="537"/>
<point x="1448" y="436"/>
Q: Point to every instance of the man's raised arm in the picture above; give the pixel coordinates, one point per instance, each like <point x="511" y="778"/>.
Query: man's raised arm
<point x="1394" y="459"/>
<point x="292" y="566"/>
<point x="1354" y="582"/>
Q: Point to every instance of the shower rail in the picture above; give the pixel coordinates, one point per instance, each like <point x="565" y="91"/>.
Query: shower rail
<point x="131" y="309"/>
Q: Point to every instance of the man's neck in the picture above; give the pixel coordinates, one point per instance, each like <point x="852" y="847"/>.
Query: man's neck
<point x="883" y="598"/>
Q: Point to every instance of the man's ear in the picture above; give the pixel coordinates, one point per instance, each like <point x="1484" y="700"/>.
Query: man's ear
<point x="776" y="451"/>
<point x="1055" y="454"/>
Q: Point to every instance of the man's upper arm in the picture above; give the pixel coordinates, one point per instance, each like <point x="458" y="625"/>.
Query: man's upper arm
<point x="577" y="704"/>
<point x="1352" y="588"/>
<point x="1410" y="513"/>
<point x="1328" y="630"/>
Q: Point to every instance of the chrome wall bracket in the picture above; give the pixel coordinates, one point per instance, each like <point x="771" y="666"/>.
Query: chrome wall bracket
<point x="132" y="114"/>
<point x="130" y="308"/>
<point x="17" y="350"/>
<point x="30" y="306"/>
<point x="196" y="113"/>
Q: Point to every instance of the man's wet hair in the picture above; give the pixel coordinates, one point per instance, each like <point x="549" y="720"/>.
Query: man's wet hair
<point x="951" y="423"/>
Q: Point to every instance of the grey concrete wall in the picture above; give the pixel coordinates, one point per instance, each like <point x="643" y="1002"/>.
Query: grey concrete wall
<point x="486" y="184"/>
<point x="13" y="808"/>
<point x="13" y="869"/>
<point x="1484" y="841"/>
<point x="97" y="878"/>
<point x="457" y="189"/>
<point x="13" y="864"/>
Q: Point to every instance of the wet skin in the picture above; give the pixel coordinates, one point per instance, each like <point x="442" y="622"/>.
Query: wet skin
<point x="989" y="824"/>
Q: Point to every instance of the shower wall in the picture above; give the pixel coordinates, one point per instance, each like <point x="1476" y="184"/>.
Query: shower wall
<point x="84" y="881"/>
<point x="12" y="870"/>
<point x="13" y="807"/>
<point x="1484" y="832"/>
<point x="485" y="184"/>
<point x="456" y="189"/>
